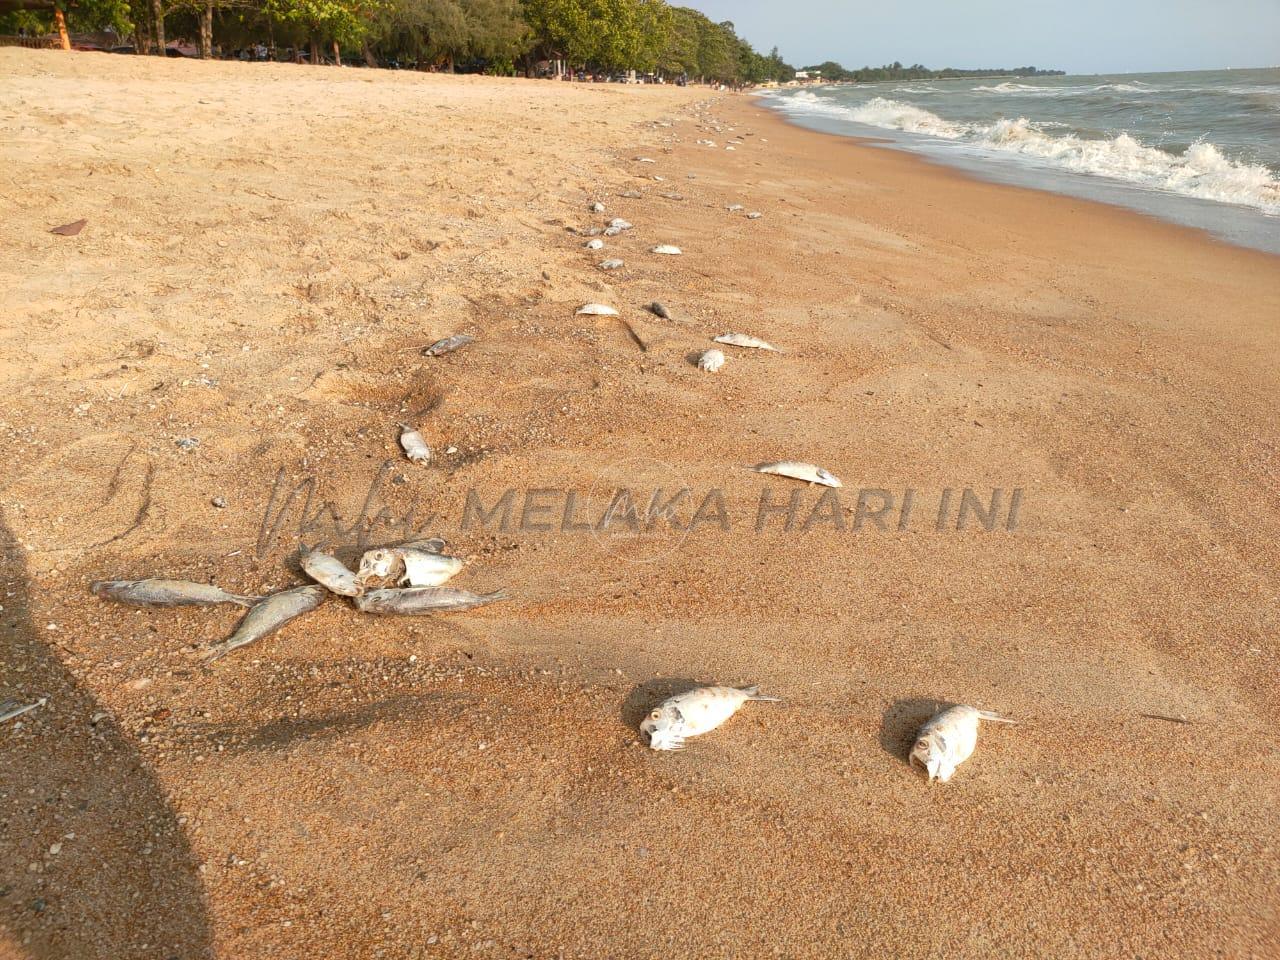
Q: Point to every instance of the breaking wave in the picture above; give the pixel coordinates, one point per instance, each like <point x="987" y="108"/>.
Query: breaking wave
<point x="1201" y="170"/>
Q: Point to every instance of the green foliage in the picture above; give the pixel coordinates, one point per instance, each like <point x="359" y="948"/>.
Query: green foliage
<point x="832" y="71"/>
<point x="648" y="36"/>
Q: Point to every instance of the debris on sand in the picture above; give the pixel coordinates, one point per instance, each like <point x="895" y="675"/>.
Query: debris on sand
<point x="70" y="229"/>
<point x="659" y="309"/>
<point x="9" y="709"/>
<point x="414" y="444"/>
<point x="596" y="310"/>
<point x="744" y="340"/>
<point x="711" y="361"/>
<point x="448" y="345"/>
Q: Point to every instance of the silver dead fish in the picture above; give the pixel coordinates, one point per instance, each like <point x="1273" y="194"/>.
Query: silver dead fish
<point x="448" y="345"/>
<point x="268" y="617"/>
<point x="596" y="310"/>
<point x="610" y="264"/>
<point x="798" y="470"/>
<point x="694" y="713"/>
<point x="594" y="244"/>
<point x="414" y="444"/>
<point x="667" y="248"/>
<point x="167" y="593"/>
<point x="948" y="739"/>
<point x="412" y="601"/>
<point x="744" y="340"/>
<point x="10" y="709"/>
<point x="331" y="573"/>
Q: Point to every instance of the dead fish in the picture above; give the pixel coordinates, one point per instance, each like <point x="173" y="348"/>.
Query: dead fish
<point x="412" y="601"/>
<point x="631" y="194"/>
<point x="331" y="573"/>
<point x="659" y="310"/>
<point x="430" y="545"/>
<point x="12" y="708"/>
<point x="610" y="264"/>
<point x="167" y="593"/>
<point x="694" y="713"/>
<point x="644" y="160"/>
<point x="617" y="223"/>
<point x="596" y="244"/>
<point x="596" y="310"/>
<point x="612" y="231"/>
<point x="798" y="470"/>
<point x="597" y="207"/>
<point x="269" y="616"/>
<point x="448" y="345"/>
<point x="414" y="444"/>
<point x="377" y="565"/>
<point x="424" y="568"/>
<point x="948" y="739"/>
<point x="744" y="340"/>
<point x="754" y="215"/>
<point x="711" y="361"/>
<point x="673" y="196"/>
<point x="734" y="207"/>
<point x="667" y="249"/>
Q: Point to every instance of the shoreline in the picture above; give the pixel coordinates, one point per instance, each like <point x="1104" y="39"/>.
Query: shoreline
<point x="474" y="785"/>
<point x="1241" y="224"/>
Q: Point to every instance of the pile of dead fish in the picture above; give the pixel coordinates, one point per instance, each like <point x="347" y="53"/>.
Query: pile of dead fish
<point x="403" y="580"/>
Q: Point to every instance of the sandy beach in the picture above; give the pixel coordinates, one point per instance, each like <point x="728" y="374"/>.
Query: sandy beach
<point x="268" y="248"/>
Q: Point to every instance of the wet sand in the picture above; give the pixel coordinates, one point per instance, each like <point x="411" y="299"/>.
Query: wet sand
<point x="269" y="247"/>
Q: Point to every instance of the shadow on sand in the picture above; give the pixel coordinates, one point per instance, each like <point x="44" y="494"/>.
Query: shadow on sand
<point x="123" y="882"/>
<point x="901" y="720"/>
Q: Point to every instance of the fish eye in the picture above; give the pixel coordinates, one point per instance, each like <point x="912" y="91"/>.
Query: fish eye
<point x="656" y="715"/>
<point x="922" y="744"/>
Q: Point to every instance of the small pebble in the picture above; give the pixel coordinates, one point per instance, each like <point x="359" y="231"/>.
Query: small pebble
<point x="219" y="502"/>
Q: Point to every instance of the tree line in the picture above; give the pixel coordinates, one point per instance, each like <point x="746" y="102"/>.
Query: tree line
<point x="834" y="72"/>
<point x="493" y="36"/>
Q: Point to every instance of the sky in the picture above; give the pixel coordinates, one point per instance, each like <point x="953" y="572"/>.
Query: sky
<point x="1079" y="36"/>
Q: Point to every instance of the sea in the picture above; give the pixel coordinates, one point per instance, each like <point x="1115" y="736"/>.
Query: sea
<point x="1200" y="148"/>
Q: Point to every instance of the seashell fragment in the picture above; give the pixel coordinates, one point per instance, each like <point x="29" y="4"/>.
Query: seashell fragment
<point x="414" y="445"/>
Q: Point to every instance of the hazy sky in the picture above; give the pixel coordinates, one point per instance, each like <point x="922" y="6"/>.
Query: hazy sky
<point x="1079" y="36"/>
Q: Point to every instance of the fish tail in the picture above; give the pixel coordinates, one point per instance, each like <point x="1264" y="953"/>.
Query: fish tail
<point x="244" y="599"/>
<point x="217" y="653"/>
<point x="987" y="715"/>
<point x="496" y="595"/>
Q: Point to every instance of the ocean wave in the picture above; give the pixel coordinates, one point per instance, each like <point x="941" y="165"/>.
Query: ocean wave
<point x="1008" y="87"/>
<point x="1202" y="170"/>
<point x="1136" y="87"/>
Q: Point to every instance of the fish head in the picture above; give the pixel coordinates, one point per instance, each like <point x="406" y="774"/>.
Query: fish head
<point x="664" y="726"/>
<point x="929" y="753"/>
<point x="376" y="565"/>
<point x="828" y="478"/>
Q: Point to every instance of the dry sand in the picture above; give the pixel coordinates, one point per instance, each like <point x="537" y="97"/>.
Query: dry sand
<point x="267" y="249"/>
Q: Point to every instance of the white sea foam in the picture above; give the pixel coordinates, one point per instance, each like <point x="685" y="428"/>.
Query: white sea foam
<point x="1199" y="171"/>
<point x="1009" y="87"/>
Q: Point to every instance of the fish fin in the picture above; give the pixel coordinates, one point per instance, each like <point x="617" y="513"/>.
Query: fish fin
<point x="753" y="693"/>
<point x="986" y="715"/>
<point x="217" y="653"/>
